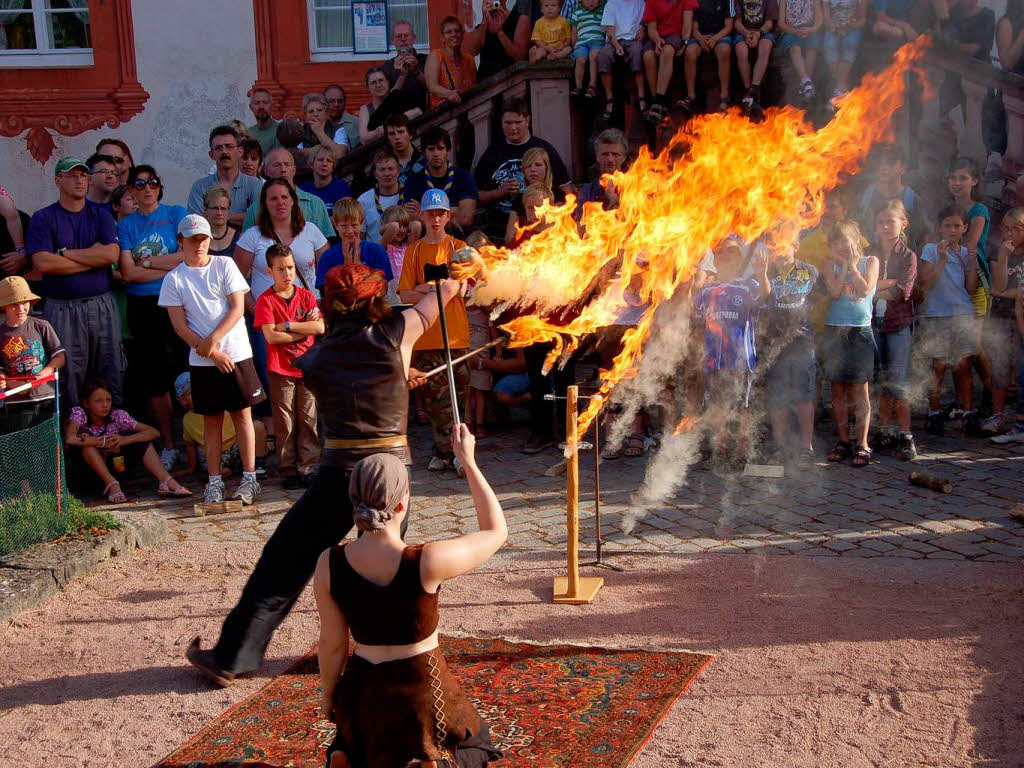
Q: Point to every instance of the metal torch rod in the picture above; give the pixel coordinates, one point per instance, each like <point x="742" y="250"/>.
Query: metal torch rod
<point x="460" y="358"/>
<point x="447" y="355"/>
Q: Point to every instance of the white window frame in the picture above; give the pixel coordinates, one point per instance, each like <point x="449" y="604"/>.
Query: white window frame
<point x="45" y="57"/>
<point x="319" y="54"/>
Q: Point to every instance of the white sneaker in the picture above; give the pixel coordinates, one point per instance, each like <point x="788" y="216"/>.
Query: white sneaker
<point x="247" y="491"/>
<point x="994" y="424"/>
<point x="1014" y="435"/>
<point x="437" y="464"/>
<point x="214" y="492"/>
<point x="169" y="457"/>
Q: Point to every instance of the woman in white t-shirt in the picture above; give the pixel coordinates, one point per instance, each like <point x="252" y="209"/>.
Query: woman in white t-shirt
<point x="279" y="220"/>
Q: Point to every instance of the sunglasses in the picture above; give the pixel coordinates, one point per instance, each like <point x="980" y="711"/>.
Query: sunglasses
<point x="143" y="183"/>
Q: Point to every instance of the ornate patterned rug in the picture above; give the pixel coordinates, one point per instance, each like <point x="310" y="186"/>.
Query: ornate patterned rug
<point x="547" y="707"/>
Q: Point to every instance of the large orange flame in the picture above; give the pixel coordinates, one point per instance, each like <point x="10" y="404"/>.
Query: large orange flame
<point x="721" y="174"/>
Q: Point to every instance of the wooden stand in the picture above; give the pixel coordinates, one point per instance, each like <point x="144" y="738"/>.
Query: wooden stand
<point x="573" y="589"/>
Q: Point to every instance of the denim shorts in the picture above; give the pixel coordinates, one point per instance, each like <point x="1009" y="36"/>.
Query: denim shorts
<point x="849" y="353"/>
<point x="810" y="43"/>
<point x="513" y="384"/>
<point x="736" y="38"/>
<point x="1000" y="341"/>
<point x="894" y="362"/>
<point x="790" y="379"/>
<point x="842" y="48"/>
<point x="583" y="50"/>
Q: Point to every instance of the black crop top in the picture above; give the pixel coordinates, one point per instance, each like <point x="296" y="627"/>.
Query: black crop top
<point x="399" y="613"/>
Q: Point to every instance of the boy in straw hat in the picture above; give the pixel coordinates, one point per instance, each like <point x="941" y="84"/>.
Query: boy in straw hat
<point x="29" y="349"/>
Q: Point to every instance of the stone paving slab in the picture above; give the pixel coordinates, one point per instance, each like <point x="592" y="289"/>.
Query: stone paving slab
<point x="828" y="511"/>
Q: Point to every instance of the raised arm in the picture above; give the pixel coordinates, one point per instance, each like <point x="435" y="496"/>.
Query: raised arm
<point x="424" y="313"/>
<point x="332" y="650"/>
<point x="449" y="558"/>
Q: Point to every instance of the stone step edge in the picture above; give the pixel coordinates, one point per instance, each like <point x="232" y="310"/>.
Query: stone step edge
<point x="30" y="577"/>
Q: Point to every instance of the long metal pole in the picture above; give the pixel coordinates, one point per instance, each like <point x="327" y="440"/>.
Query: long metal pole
<point x="460" y="358"/>
<point x="572" y="491"/>
<point x="597" y="486"/>
<point x="447" y="354"/>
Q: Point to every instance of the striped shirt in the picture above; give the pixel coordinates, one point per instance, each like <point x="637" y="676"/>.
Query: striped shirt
<point x="588" y="24"/>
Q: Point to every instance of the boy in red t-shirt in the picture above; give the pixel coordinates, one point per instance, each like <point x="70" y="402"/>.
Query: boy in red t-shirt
<point x="669" y="25"/>
<point x="289" y="318"/>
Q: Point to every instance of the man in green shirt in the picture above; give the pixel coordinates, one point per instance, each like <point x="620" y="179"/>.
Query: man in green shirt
<point x="337" y="117"/>
<point x="280" y="164"/>
<point x="264" y="130"/>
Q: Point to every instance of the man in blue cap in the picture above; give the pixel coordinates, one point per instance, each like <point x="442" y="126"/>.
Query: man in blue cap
<point x="437" y="247"/>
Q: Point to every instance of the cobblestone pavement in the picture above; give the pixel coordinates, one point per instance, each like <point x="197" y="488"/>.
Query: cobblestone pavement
<point x="829" y="510"/>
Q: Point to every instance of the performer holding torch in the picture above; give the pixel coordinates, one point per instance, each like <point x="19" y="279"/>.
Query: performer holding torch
<point x="419" y="276"/>
<point x="359" y="375"/>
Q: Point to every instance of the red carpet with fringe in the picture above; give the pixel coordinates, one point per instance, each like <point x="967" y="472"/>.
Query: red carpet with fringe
<point x="547" y="706"/>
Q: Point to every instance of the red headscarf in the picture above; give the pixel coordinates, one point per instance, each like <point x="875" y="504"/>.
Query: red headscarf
<point x="348" y="284"/>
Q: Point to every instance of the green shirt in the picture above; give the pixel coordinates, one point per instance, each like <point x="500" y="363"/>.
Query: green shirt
<point x="313" y="210"/>
<point x="267" y="137"/>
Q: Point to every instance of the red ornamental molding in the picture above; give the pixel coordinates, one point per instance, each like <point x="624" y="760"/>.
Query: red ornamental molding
<point x="73" y="100"/>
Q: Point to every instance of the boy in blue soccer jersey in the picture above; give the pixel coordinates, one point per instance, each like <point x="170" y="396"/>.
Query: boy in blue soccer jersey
<point x="728" y="305"/>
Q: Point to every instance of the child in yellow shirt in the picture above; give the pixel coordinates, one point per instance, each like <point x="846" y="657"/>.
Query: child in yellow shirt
<point x="552" y="34"/>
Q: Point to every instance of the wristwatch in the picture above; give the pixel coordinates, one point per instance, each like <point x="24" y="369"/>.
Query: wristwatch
<point x="147" y="263"/>
<point x="288" y="326"/>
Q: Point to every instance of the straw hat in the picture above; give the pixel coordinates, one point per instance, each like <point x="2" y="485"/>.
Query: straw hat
<point x="14" y="290"/>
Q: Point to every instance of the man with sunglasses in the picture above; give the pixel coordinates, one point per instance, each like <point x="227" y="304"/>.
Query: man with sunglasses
<point x="103" y="180"/>
<point x="226" y="152"/>
<point x="74" y="245"/>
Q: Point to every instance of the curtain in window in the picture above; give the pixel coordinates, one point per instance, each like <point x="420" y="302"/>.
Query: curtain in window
<point x="83" y="16"/>
<point x="7" y="18"/>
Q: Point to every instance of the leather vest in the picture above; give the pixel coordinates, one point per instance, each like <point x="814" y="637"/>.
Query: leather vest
<point x="358" y="379"/>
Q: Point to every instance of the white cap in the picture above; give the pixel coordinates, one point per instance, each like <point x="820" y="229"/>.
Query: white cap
<point x="194" y="224"/>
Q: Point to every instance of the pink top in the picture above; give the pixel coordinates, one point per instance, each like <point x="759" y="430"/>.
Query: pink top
<point x="118" y="423"/>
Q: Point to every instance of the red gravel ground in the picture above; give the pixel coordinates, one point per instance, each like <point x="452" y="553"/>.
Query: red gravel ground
<point x="820" y="661"/>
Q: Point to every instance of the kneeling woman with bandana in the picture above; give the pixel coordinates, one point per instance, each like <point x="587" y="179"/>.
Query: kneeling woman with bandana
<point x="394" y="700"/>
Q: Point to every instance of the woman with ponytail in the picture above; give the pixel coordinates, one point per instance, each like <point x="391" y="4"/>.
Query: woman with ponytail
<point x="394" y="700"/>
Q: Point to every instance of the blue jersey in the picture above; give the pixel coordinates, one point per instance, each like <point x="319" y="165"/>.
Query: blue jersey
<point x="729" y="311"/>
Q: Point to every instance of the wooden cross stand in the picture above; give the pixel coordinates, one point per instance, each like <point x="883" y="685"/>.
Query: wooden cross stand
<point x="573" y="589"/>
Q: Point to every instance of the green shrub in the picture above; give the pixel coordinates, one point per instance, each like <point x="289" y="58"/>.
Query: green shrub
<point x="33" y="517"/>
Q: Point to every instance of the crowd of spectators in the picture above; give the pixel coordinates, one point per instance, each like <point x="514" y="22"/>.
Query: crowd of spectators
<point x="193" y="313"/>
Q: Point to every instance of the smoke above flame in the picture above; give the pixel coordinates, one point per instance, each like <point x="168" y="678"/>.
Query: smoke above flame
<point x="720" y="174"/>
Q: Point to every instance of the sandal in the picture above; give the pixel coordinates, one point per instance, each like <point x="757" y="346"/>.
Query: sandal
<point x="861" y="457"/>
<point x="609" y="108"/>
<point x="590" y="93"/>
<point x="114" y="494"/>
<point x="422" y="417"/>
<point x="635" y="445"/>
<point x="576" y="93"/>
<point x="841" y="452"/>
<point x="171" y="487"/>
<point x="687" y="105"/>
<point x="612" y="453"/>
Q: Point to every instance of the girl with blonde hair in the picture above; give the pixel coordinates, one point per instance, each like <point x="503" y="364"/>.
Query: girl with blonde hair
<point x="848" y="345"/>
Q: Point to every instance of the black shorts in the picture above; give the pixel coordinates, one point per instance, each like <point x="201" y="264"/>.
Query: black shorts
<point x="214" y="392"/>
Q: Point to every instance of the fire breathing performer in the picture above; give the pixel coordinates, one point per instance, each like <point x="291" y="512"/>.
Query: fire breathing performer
<point x="359" y="374"/>
<point x="394" y="700"/>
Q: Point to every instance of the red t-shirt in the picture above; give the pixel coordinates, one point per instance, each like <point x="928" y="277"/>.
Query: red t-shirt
<point x="271" y="309"/>
<point x="668" y="14"/>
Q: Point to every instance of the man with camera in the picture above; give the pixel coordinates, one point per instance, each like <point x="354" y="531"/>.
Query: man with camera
<point x="406" y="68"/>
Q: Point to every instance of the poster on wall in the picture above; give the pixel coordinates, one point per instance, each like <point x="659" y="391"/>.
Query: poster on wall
<point x="369" y="26"/>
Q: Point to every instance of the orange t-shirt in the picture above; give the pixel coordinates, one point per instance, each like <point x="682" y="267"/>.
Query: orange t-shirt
<point x="418" y="254"/>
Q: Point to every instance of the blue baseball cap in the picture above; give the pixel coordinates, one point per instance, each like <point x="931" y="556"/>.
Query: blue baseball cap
<point x="435" y="200"/>
<point x="182" y="384"/>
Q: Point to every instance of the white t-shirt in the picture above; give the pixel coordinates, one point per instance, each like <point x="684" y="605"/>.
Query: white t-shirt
<point x="203" y="293"/>
<point x="304" y="246"/>
<point x="625" y="16"/>
<point x="369" y="202"/>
